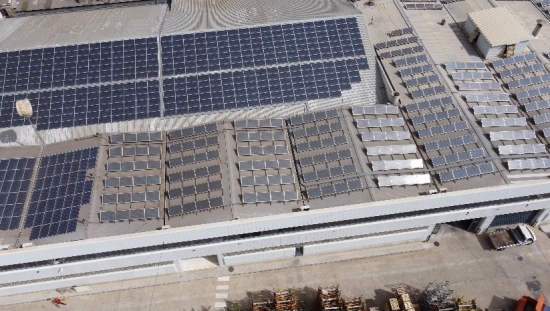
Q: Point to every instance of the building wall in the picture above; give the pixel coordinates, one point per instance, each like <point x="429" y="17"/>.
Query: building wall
<point x="486" y="50"/>
<point x="469" y="26"/>
<point x="269" y="255"/>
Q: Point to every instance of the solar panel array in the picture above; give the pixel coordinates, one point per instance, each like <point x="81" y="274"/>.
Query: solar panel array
<point x="133" y="166"/>
<point x="502" y="122"/>
<point x="521" y="149"/>
<point x="430" y="91"/>
<point x="329" y="173"/>
<point x="196" y="206"/>
<point x="538" y="79"/>
<point x="391" y="149"/>
<point x="264" y="165"/>
<point x="479" y="86"/>
<point x="194" y="189"/>
<point x="132" y="214"/>
<point x="411" y="60"/>
<point x="260" y="46"/>
<point x="261" y="150"/>
<point x="258" y="123"/>
<point x="528" y="164"/>
<point x="537" y="105"/>
<point x="450" y="142"/>
<point x="514" y="60"/>
<point x="134" y="151"/>
<point x="430" y="103"/>
<point x="333" y="189"/>
<point x="313" y="117"/>
<point x="130" y="181"/>
<point x="397" y="42"/>
<point x="194" y="174"/>
<point x="495" y="109"/>
<point x="325" y="157"/>
<point x="379" y="122"/>
<point x="69" y="66"/>
<point x="402" y="31"/>
<point x="442" y="129"/>
<point x="423" y="6"/>
<point x="284" y="179"/>
<point x="541" y="91"/>
<point x="135" y="137"/>
<point x="192" y="131"/>
<point x="471" y="171"/>
<point x="432" y="117"/>
<point x="422" y="80"/>
<point x="194" y="158"/>
<point x="259" y="87"/>
<point x="484" y="75"/>
<point x="133" y="197"/>
<point x="397" y="165"/>
<point x="465" y="65"/>
<point x="401" y="52"/>
<point x="60" y="192"/>
<point x="487" y="97"/>
<point x="389" y="181"/>
<point x="374" y="109"/>
<point x="317" y="130"/>
<point x="405" y="72"/>
<point x="512" y="135"/>
<point x="272" y="196"/>
<point x="259" y="136"/>
<point x="15" y="180"/>
<point x="521" y="70"/>
<point x="458" y="157"/>
<point x="86" y="105"/>
<point x="543" y="118"/>
<point x="321" y="143"/>
<point x="383" y="136"/>
<point x="193" y="144"/>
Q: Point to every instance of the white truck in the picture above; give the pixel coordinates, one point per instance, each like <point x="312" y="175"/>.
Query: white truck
<point x="504" y="238"/>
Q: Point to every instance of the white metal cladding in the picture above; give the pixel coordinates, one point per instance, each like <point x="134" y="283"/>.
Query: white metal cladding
<point x="392" y="149"/>
<point x="275" y="222"/>
<point x="363" y="242"/>
<point x="259" y="256"/>
<point x="388" y="181"/>
<point x="87" y="280"/>
<point x="397" y="164"/>
<point x="309" y="236"/>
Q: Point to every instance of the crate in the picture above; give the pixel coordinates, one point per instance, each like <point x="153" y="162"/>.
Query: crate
<point x="407" y="305"/>
<point x="394" y="304"/>
<point x="404" y="297"/>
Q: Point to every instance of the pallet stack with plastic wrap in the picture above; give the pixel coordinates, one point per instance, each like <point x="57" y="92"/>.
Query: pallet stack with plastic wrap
<point x="286" y="300"/>
<point x="404" y="300"/>
<point x="262" y="305"/>
<point x="354" y="304"/>
<point x="330" y="299"/>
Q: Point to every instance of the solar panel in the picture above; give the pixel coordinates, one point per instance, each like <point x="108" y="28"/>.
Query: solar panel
<point x="411" y="60"/>
<point x="193" y="207"/>
<point x="136" y="137"/>
<point x="546" y="132"/>
<point x="133" y="166"/>
<point x="442" y="129"/>
<point x="60" y="192"/>
<point x="495" y="109"/>
<point x="374" y="109"/>
<point x="258" y="123"/>
<point x="261" y="150"/>
<point x="321" y="143"/>
<point x="521" y="70"/>
<point x="259" y="136"/>
<point x="541" y="91"/>
<point x="379" y="122"/>
<point x="383" y="136"/>
<point x="402" y="31"/>
<point x="314" y="116"/>
<point x="325" y="157"/>
<point x="264" y="165"/>
<point x="405" y="72"/>
<point x="429" y="91"/>
<point x="134" y="151"/>
<point x="133" y="181"/>
<point x="503" y="122"/>
<point x="431" y="117"/>
<point x="389" y="181"/>
<point x="512" y="135"/>
<point x="487" y="97"/>
<point x="422" y="80"/>
<point x="465" y="65"/>
<point x="317" y="130"/>
<point x="479" y="86"/>
<point x="543" y="118"/>
<point x="194" y="158"/>
<point x="332" y="189"/>
<point x="397" y="165"/>
<point x="192" y="131"/>
<point x="193" y="144"/>
<point x="267" y="180"/>
<point x="521" y="149"/>
<point x="131" y="197"/>
<point x="537" y="105"/>
<point x="392" y="149"/>
<point x="528" y="164"/>
<point x="398" y="42"/>
<point x="469" y="75"/>
<point x="15" y="180"/>
<point x="194" y="174"/>
<point x="450" y="142"/>
<point x="458" y="157"/>
<point x="329" y="173"/>
<point x="514" y="60"/>
<point x="545" y="3"/>
<point x="538" y="79"/>
<point x="430" y="103"/>
<point x="272" y="196"/>
<point x="423" y="6"/>
<point x="467" y="172"/>
<point x="107" y="216"/>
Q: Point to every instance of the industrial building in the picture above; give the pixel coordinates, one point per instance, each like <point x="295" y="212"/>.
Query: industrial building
<point x="241" y="131"/>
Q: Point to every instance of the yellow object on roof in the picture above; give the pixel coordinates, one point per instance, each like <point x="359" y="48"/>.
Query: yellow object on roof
<point x="499" y="26"/>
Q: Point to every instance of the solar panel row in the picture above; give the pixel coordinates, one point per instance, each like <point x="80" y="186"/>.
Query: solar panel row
<point x="15" y="179"/>
<point x="332" y="189"/>
<point x="467" y="172"/>
<point x="450" y="142"/>
<point x="192" y="207"/>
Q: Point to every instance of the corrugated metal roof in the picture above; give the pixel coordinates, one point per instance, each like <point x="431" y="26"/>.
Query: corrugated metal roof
<point x="499" y="26"/>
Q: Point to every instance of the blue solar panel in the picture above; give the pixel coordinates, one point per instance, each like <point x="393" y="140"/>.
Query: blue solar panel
<point x="271" y="45"/>
<point x="68" y="66"/>
<point x="60" y="192"/>
<point x="86" y="105"/>
<point x="15" y="179"/>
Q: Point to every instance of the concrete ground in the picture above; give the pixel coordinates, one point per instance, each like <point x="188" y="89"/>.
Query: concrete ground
<point x="473" y="270"/>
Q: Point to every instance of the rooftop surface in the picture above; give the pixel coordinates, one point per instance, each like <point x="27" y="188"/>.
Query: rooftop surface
<point x="500" y="26"/>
